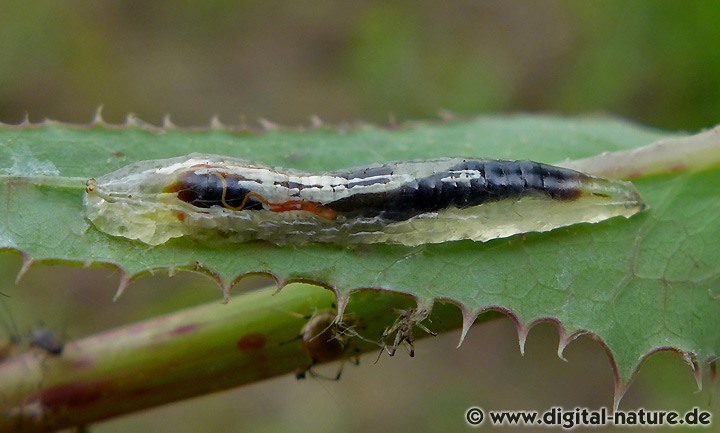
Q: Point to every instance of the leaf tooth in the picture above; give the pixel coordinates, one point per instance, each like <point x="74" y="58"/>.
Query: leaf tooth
<point x="132" y="121"/>
<point x="562" y="344"/>
<point x="216" y="124"/>
<point x="620" y="389"/>
<point x="279" y="282"/>
<point x="267" y="125"/>
<point x="622" y="386"/>
<point x="316" y="122"/>
<point x="226" y="289"/>
<point x="122" y="285"/>
<point x="468" y="318"/>
<point x="26" y="121"/>
<point x="565" y="340"/>
<point x="341" y="302"/>
<point x="697" y="371"/>
<point x="522" y="334"/>
<point x="692" y="361"/>
<point x="97" y="119"/>
<point x="167" y="122"/>
<point x="27" y="262"/>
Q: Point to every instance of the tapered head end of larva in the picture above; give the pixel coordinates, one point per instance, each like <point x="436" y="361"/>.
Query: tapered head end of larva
<point x="632" y="199"/>
<point x="641" y="205"/>
<point x="605" y="198"/>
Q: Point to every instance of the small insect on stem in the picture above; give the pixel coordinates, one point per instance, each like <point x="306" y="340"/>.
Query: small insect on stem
<point x="45" y="339"/>
<point x="42" y="337"/>
<point x="325" y="339"/>
<point x="403" y="330"/>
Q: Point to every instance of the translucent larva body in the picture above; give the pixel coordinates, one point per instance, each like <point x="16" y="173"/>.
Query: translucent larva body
<point x="221" y="199"/>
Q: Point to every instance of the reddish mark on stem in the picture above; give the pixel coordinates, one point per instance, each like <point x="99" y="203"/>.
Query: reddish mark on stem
<point x="83" y="363"/>
<point x="72" y="395"/>
<point x="184" y="329"/>
<point x="251" y="342"/>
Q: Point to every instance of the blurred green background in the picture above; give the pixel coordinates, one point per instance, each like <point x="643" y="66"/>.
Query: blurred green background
<point x="654" y="62"/>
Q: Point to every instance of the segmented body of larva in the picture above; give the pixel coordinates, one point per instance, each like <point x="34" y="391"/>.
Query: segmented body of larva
<point x="222" y="199"/>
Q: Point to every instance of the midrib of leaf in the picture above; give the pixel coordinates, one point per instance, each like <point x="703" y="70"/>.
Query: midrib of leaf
<point x="639" y="285"/>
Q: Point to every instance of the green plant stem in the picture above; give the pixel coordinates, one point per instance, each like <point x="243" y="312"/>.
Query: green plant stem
<point x="185" y="354"/>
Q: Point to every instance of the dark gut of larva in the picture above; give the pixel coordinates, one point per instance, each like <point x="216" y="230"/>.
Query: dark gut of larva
<point x="206" y="190"/>
<point x="497" y="180"/>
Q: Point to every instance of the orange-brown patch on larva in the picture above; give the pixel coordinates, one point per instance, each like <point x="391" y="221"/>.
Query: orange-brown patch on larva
<point x="180" y="216"/>
<point x="307" y="206"/>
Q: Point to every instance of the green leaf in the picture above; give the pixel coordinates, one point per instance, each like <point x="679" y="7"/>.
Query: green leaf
<point x="639" y="285"/>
